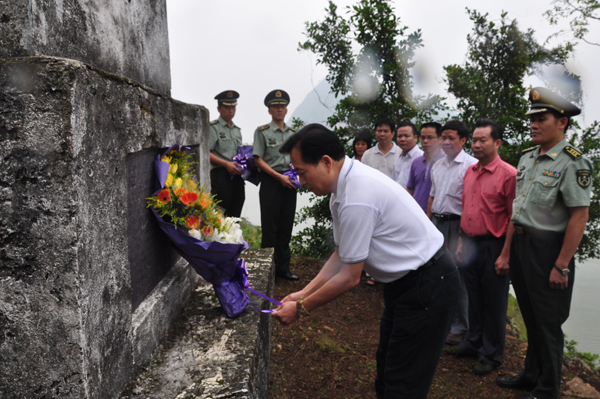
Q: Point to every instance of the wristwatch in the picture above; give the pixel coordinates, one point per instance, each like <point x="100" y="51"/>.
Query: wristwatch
<point x="564" y="272"/>
<point x="300" y="309"/>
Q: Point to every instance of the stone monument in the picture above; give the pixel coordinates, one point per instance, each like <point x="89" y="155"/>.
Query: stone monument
<point x="87" y="289"/>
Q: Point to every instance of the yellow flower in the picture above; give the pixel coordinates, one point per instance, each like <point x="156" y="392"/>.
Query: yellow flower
<point x="192" y="185"/>
<point x="177" y="183"/>
<point x="166" y="159"/>
<point x="169" y="181"/>
<point x="173" y="168"/>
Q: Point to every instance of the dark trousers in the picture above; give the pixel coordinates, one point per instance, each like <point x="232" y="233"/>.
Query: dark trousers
<point x="229" y="191"/>
<point x="488" y="298"/>
<point x="451" y="231"/>
<point x="544" y="309"/>
<point x="416" y="319"/>
<point x="277" y="211"/>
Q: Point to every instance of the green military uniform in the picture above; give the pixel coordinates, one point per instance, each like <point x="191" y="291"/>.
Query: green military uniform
<point x="277" y="203"/>
<point x="547" y="186"/>
<point x="224" y="142"/>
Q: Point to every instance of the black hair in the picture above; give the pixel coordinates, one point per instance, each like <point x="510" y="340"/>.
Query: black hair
<point x="363" y="135"/>
<point x="459" y="127"/>
<point x="314" y="141"/>
<point x="558" y="115"/>
<point x="497" y="132"/>
<point x="412" y="125"/>
<point x="435" y="125"/>
<point x="386" y="121"/>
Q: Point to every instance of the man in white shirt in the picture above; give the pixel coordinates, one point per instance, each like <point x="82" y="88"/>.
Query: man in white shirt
<point x="407" y="138"/>
<point x="378" y="226"/>
<point x="383" y="155"/>
<point x="445" y="207"/>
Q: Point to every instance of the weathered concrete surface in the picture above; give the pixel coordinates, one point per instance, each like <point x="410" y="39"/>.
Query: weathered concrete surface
<point x="207" y="355"/>
<point x="126" y="37"/>
<point x="65" y="293"/>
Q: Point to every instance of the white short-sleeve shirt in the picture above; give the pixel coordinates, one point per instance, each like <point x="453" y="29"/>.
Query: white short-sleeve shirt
<point x="402" y="165"/>
<point x="447" y="178"/>
<point x="384" y="163"/>
<point x="379" y="222"/>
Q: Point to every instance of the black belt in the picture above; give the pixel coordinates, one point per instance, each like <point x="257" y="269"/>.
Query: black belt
<point x="446" y="218"/>
<point x="530" y="231"/>
<point x="434" y="258"/>
<point x="485" y="237"/>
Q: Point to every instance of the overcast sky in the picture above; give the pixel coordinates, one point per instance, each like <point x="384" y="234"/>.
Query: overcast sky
<point x="251" y="47"/>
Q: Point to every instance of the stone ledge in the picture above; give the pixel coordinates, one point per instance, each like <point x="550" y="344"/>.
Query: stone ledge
<point x="208" y="355"/>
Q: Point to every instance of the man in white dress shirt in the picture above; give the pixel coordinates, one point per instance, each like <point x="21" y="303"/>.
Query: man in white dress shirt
<point x="378" y="226"/>
<point x="407" y="138"/>
<point x="383" y="155"/>
<point x="445" y="207"/>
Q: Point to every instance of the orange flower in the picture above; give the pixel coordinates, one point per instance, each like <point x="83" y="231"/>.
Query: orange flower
<point x="207" y="230"/>
<point x="164" y="196"/>
<point x="193" y="222"/>
<point x="205" y="200"/>
<point x="189" y="198"/>
<point x="179" y="191"/>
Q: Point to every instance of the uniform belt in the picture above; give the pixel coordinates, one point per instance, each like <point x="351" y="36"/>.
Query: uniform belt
<point x="434" y="258"/>
<point x="530" y="231"/>
<point x="446" y="218"/>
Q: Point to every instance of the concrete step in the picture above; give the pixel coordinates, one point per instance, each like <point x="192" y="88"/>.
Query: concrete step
<point x="205" y="354"/>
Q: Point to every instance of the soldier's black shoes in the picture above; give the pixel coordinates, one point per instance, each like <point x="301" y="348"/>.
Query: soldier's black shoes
<point x="288" y="276"/>
<point x="515" y="382"/>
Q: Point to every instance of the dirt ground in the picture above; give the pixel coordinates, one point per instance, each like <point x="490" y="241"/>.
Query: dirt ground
<point x="331" y="353"/>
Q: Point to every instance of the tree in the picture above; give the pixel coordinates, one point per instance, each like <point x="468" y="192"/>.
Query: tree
<point x="579" y="13"/>
<point x="491" y="82"/>
<point x="369" y="56"/>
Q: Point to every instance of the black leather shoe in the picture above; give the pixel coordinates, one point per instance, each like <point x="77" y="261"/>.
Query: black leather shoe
<point x="515" y="382"/>
<point x="456" y="350"/>
<point x="288" y="276"/>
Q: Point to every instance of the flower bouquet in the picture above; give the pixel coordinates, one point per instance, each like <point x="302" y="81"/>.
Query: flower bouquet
<point x="209" y="241"/>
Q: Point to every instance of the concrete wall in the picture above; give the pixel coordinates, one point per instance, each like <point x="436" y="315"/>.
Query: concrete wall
<point x="126" y="37"/>
<point x="66" y="321"/>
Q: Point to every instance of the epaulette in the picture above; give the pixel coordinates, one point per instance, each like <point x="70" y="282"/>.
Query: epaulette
<point x="530" y="149"/>
<point x="213" y="122"/>
<point x="572" y="152"/>
<point x="263" y="127"/>
<point x="293" y="130"/>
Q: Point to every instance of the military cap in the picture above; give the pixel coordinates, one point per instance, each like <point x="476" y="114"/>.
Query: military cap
<point x="228" y="97"/>
<point x="277" y="97"/>
<point x="544" y="100"/>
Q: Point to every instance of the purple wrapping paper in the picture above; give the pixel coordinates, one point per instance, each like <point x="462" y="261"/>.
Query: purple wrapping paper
<point x="294" y="175"/>
<point x="214" y="261"/>
<point x="250" y="172"/>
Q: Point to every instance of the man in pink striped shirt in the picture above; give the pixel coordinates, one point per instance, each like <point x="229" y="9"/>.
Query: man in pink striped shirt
<point x="488" y="194"/>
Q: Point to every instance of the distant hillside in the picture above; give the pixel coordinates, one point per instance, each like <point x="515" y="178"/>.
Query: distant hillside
<point x="317" y="106"/>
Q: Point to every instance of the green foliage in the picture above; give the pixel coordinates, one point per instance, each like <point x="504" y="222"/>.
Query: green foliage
<point x="490" y="83"/>
<point x="578" y="12"/>
<point x="315" y="241"/>
<point x="591" y="359"/>
<point x="252" y="234"/>
<point x="588" y="142"/>
<point x="375" y="80"/>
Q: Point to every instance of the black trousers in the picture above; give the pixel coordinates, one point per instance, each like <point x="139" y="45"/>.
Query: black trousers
<point x="544" y="309"/>
<point x="451" y="231"/>
<point x="277" y="211"/>
<point x="488" y="298"/>
<point x="416" y="319"/>
<point x="229" y="191"/>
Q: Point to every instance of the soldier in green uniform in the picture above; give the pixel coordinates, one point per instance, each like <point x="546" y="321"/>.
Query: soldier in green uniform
<point x="277" y="194"/>
<point x="550" y="212"/>
<point x="225" y="178"/>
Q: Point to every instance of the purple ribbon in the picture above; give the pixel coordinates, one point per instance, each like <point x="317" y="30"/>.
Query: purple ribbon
<point x="242" y="161"/>
<point x="243" y="280"/>
<point x="292" y="174"/>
